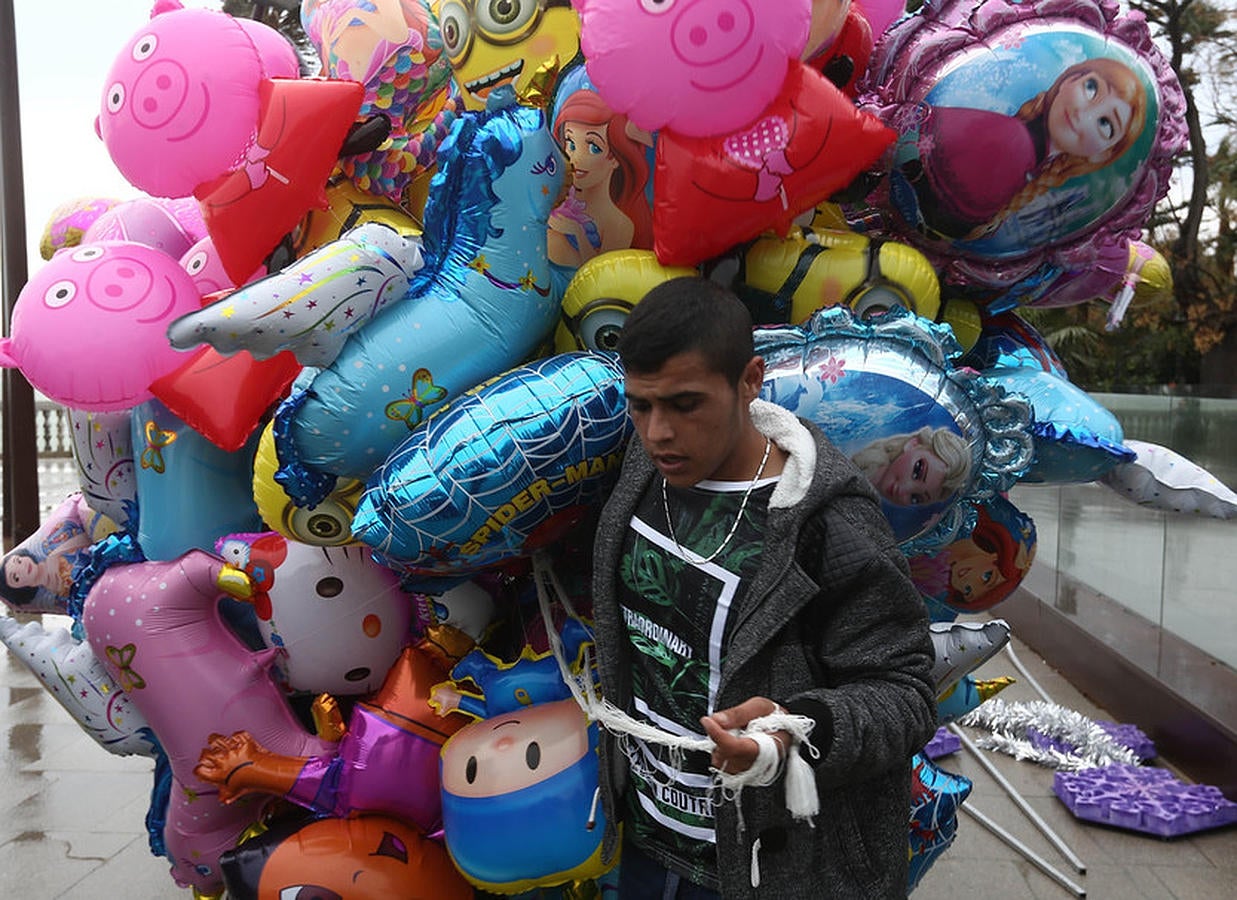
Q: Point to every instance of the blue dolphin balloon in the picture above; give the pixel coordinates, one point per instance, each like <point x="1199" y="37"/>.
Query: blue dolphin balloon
<point x="482" y="303"/>
<point x="469" y="487"/>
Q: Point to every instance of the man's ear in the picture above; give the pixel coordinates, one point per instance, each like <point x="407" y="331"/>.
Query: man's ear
<point x="752" y="379"/>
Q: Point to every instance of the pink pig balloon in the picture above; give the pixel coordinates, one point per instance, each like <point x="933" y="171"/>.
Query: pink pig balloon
<point x="205" y="267"/>
<point x="700" y="67"/>
<point x="90" y="329"/>
<point x="180" y="104"/>
<point x="170" y="225"/>
<point x="157" y="628"/>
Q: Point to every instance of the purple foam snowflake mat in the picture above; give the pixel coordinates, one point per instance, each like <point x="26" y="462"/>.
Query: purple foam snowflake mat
<point x="1130" y="736"/>
<point x="1143" y="798"/>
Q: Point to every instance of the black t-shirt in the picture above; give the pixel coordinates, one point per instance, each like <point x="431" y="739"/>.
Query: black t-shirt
<point x="678" y="613"/>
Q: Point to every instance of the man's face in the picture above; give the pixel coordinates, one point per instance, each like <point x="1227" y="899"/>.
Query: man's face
<point x="690" y="418"/>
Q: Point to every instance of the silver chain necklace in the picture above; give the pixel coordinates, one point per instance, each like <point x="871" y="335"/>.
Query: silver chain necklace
<point x="665" y="505"/>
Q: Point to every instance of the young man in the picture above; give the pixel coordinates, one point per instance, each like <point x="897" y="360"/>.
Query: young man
<point x="742" y="564"/>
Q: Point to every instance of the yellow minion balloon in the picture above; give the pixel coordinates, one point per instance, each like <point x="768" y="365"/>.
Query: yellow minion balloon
<point x="787" y="279"/>
<point x="601" y="296"/>
<point x="329" y="524"/>
<point x="496" y="42"/>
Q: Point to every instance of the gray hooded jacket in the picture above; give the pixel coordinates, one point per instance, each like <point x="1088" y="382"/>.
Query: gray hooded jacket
<point x="832" y="628"/>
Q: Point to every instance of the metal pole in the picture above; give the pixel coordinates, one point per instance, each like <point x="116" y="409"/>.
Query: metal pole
<point x="21" y="463"/>
<point x="1026" y="673"/>
<point x="1020" y="801"/>
<point x="1031" y="856"/>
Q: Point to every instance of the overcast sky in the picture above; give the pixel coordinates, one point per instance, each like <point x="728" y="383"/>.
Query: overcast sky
<point x="64" y="49"/>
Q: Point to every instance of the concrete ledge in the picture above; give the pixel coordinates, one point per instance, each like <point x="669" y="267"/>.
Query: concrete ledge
<point x="1182" y="698"/>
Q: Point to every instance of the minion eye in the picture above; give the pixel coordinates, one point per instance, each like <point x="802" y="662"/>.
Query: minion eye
<point x="456" y="29"/>
<point x="505" y="16"/>
<point x="327" y="524"/>
<point x="600" y="328"/>
<point x="877" y="300"/>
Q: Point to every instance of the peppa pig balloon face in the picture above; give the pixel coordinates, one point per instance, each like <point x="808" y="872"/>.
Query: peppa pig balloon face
<point x="180" y="103"/>
<point x="89" y="330"/>
<point x="700" y="67"/>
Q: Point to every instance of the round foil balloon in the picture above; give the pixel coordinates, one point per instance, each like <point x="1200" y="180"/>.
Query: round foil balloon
<point x="980" y="569"/>
<point x="474" y="484"/>
<point x="1027" y="131"/>
<point x="927" y="435"/>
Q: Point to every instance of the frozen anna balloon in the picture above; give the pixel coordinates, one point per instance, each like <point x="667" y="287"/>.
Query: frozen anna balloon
<point x="1028" y="132"/>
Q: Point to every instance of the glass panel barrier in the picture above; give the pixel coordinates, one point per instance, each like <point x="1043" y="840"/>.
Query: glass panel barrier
<point x="1133" y="576"/>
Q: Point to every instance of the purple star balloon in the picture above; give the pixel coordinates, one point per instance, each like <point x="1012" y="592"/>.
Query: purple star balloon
<point x="1143" y="798"/>
<point x="943" y="743"/>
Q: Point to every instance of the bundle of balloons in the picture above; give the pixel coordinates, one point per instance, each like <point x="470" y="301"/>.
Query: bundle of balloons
<point x="347" y="364"/>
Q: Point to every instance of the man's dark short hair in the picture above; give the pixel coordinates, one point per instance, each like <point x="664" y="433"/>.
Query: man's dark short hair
<point x="684" y="315"/>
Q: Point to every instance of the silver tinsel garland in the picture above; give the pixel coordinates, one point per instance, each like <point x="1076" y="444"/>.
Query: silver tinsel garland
<point x="1011" y="723"/>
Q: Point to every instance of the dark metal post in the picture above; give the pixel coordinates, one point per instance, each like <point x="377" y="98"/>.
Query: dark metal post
<point x="21" y="467"/>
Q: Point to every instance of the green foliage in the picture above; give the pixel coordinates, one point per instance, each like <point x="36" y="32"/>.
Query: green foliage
<point x="1153" y="345"/>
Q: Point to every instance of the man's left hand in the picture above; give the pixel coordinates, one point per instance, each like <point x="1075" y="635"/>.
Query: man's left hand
<point x="733" y="753"/>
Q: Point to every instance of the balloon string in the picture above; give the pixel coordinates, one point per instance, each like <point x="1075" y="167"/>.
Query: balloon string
<point x="802" y="800"/>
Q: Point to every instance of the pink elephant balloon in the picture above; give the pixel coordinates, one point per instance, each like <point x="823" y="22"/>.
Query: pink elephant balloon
<point x="701" y="67"/>
<point x="90" y="329"/>
<point x="158" y="630"/>
<point x="180" y="105"/>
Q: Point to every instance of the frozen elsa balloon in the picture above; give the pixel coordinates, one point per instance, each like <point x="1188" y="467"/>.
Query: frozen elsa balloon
<point x="927" y="466"/>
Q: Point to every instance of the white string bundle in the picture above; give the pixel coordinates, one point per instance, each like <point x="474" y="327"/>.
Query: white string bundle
<point x="801" y="798"/>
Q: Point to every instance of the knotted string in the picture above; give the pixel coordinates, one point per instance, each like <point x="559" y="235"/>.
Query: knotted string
<point x="801" y="797"/>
